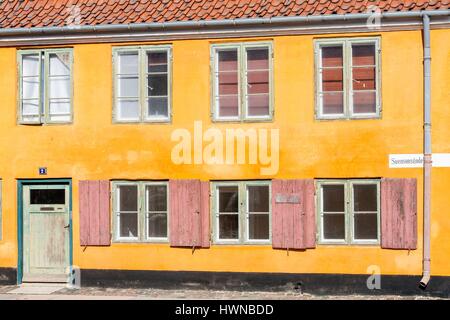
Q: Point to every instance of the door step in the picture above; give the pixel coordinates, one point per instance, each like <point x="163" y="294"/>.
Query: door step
<point x="38" y="288"/>
<point x="45" y="278"/>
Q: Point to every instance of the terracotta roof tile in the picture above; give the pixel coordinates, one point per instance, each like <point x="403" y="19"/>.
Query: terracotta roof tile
<point x="39" y="13"/>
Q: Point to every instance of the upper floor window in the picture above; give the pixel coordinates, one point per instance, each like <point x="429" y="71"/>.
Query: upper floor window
<point x="348" y="78"/>
<point x="142" y="84"/>
<point x="45" y="86"/>
<point x="140" y="211"/>
<point x="242" y="81"/>
<point x="349" y="211"/>
<point x="242" y="212"/>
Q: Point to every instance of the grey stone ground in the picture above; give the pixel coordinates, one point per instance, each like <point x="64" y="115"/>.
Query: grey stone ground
<point x="88" y="293"/>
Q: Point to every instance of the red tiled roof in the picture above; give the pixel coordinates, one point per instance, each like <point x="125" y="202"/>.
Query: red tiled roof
<point x="43" y="13"/>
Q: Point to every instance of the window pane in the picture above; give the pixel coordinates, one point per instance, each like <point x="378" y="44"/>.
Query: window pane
<point x="128" y="86"/>
<point x="59" y="107"/>
<point x="364" y="79"/>
<point x="47" y="196"/>
<point x="128" y="63"/>
<point x="158" y="107"/>
<point x="258" y="198"/>
<point x="363" y="55"/>
<point x="257" y="58"/>
<point x="229" y="106"/>
<point x="228" y="59"/>
<point x="366" y="226"/>
<point x="365" y="197"/>
<point x="156" y="198"/>
<point x="59" y="64"/>
<point x="333" y="198"/>
<point x="334" y="226"/>
<point x="128" y="225"/>
<point x="157" y="85"/>
<point x="258" y="105"/>
<point x="364" y="102"/>
<point x="30" y="88"/>
<point x="228" y="199"/>
<point x="157" y="225"/>
<point x="157" y="61"/>
<point x="332" y="79"/>
<point x="257" y="82"/>
<point x="128" y="198"/>
<point x="30" y="65"/>
<point x="30" y="107"/>
<point x="258" y="227"/>
<point x="333" y="103"/>
<point x="228" y="83"/>
<point x="128" y="109"/>
<point x="332" y="56"/>
<point x="59" y="87"/>
<point x="228" y="226"/>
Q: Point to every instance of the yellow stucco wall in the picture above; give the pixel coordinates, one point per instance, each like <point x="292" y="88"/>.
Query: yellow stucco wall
<point x="94" y="148"/>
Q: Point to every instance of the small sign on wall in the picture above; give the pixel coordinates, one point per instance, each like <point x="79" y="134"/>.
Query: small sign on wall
<point x="42" y="171"/>
<point x="440" y="160"/>
<point x="287" y="198"/>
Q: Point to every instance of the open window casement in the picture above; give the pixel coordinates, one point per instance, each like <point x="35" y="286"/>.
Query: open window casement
<point x="45" y="86"/>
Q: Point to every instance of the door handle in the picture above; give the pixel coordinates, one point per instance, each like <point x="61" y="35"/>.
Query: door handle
<point x="65" y="227"/>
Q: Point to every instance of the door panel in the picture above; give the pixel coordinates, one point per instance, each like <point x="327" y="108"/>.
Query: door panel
<point x="46" y="232"/>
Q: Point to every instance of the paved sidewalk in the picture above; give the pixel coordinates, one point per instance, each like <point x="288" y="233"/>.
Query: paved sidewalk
<point x="93" y="293"/>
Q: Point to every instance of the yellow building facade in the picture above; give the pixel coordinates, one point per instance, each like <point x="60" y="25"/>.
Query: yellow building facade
<point x="94" y="147"/>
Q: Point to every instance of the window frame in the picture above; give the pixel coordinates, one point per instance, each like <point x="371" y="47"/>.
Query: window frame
<point x="142" y="212"/>
<point x="242" y="80"/>
<point x="142" y="83"/>
<point x="43" y="98"/>
<point x="349" y="212"/>
<point x="346" y="44"/>
<point x="243" y="216"/>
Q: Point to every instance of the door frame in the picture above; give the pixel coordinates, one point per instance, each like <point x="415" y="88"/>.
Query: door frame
<point x="20" y="184"/>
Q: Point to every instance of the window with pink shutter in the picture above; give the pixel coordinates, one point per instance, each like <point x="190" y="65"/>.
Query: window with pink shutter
<point x="242" y="81"/>
<point x="348" y="82"/>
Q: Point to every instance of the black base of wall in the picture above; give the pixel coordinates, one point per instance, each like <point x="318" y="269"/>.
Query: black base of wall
<point x="308" y="283"/>
<point x="8" y="276"/>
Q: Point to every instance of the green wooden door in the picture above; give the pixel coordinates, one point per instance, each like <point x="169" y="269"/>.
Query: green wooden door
<point x="45" y="233"/>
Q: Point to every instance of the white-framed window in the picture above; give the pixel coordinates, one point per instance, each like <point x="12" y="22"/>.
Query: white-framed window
<point x="348" y="78"/>
<point x="142" y="84"/>
<point x="242" y="76"/>
<point x="348" y="211"/>
<point x="140" y="211"/>
<point x="45" y="86"/>
<point x="242" y="212"/>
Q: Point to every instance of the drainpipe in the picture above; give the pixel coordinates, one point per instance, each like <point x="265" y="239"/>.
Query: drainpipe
<point x="427" y="151"/>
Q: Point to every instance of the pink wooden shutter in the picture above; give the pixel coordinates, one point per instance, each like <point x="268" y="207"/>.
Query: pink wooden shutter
<point x="399" y="213"/>
<point x="189" y="213"/>
<point x="293" y="214"/>
<point x="94" y="213"/>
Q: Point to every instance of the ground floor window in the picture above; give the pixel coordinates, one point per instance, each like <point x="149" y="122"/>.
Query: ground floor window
<point x="140" y="211"/>
<point x="349" y="211"/>
<point x="242" y="212"/>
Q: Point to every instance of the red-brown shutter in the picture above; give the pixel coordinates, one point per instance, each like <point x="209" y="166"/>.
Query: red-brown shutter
<point x="189" y="213"/>
<point x="293" y="214"/>
<point x="399" y="213"/>
<point x="94" y="213"/>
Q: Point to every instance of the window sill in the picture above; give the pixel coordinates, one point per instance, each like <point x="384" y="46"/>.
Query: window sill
<point x="372" y="117"/>
<point x="247" y="120"/>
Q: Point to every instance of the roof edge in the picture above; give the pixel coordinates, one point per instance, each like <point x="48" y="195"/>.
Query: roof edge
<point x="201" y="24"/>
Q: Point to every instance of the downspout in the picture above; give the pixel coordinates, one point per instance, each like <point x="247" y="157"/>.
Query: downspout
<point x="427" y="151"/>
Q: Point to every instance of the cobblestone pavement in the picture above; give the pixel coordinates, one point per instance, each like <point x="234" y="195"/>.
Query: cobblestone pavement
<point x="87" y="293"/>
